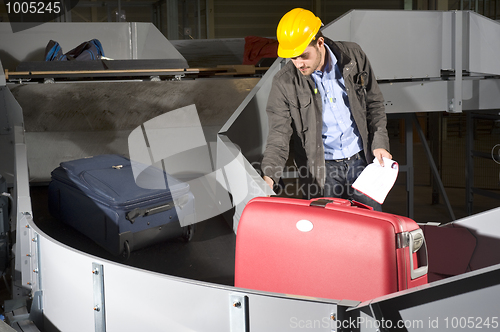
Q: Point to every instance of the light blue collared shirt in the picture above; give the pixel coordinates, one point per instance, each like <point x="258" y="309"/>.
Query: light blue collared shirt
<point x="340" y="134"/>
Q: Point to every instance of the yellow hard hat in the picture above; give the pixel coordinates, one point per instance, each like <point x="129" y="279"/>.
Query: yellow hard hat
<point x="295" y="31"/>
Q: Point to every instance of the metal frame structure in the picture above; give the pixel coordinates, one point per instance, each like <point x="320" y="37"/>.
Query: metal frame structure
<point x="87" y="293"/>
<point x="456" y="71"/>
<point x="473" y="154"/>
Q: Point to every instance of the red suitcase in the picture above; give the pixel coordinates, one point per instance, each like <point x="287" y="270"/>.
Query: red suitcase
<point x="327" y="248"/>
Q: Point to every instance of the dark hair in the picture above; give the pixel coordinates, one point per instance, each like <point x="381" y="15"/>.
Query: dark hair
<point x="314" y="41"/>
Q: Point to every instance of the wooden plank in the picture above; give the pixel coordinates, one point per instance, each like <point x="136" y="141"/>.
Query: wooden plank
<point x="223" y="70"/>
<point x="72" y="72"/>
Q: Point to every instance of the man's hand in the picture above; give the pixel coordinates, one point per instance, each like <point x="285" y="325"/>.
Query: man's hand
<point x="269" y="181"/>
<point x="380" y="153"/>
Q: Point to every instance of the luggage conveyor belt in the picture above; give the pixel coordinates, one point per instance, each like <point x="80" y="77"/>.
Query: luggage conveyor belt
<point x="73" y="120"/>
<point x="209" y="256"/>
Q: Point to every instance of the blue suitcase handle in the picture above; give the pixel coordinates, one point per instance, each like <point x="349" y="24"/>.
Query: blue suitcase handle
<point x="135" y="213"/>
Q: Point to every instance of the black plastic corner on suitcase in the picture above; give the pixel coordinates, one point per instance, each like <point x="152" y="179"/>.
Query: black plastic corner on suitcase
<point x="321" y="202"/>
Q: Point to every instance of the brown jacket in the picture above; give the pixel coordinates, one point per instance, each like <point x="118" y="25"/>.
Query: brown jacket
<point x="293" y="108"/>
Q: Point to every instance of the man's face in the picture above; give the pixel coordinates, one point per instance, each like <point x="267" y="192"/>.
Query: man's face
<point x="311" y="59"/>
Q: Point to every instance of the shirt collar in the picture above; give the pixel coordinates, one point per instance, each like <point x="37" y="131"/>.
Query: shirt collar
<point x="331" y="61"/>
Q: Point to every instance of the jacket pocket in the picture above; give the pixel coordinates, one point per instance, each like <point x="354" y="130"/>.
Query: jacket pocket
<point x="303" y="101"/>
<point x="300" y="109"/>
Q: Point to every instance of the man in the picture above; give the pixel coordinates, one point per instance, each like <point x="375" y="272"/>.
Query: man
<point x="326" y="98"/>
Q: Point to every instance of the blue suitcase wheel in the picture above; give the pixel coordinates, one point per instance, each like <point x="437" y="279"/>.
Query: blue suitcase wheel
<point x="188" y="233"/>
<point x="126" y="251"/>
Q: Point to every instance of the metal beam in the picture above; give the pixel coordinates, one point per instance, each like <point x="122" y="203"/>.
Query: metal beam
<point x="435" y="138"/>
<point x="210" y="19"/>
<point x="410" y="181"/>
<point x="99" y="304"/>
<point x="457" y="39"/>
<point x="469" y="169"/>
<point x="172" y="19"/>
<point x="198" y="10"/>
<point x="432" y="164"/>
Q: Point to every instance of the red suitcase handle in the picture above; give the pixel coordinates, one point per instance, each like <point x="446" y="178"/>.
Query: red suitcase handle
<point x="321" y="202"/>
<point x="418" y="246"/>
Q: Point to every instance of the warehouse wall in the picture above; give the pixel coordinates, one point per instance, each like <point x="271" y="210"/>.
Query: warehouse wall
<point x="239" y="18"/>
<point x="199" y="19"/>
<point x="222" y="18"/>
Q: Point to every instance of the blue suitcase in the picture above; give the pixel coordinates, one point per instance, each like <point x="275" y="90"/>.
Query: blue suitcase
<point x="99" y="197"/>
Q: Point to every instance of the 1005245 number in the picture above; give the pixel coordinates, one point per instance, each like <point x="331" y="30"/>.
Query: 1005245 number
<point x="471" y="322"/>
<point x="33" y="7"/>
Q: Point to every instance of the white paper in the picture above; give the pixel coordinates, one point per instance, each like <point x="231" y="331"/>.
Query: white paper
<point x="376" y="181"/>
